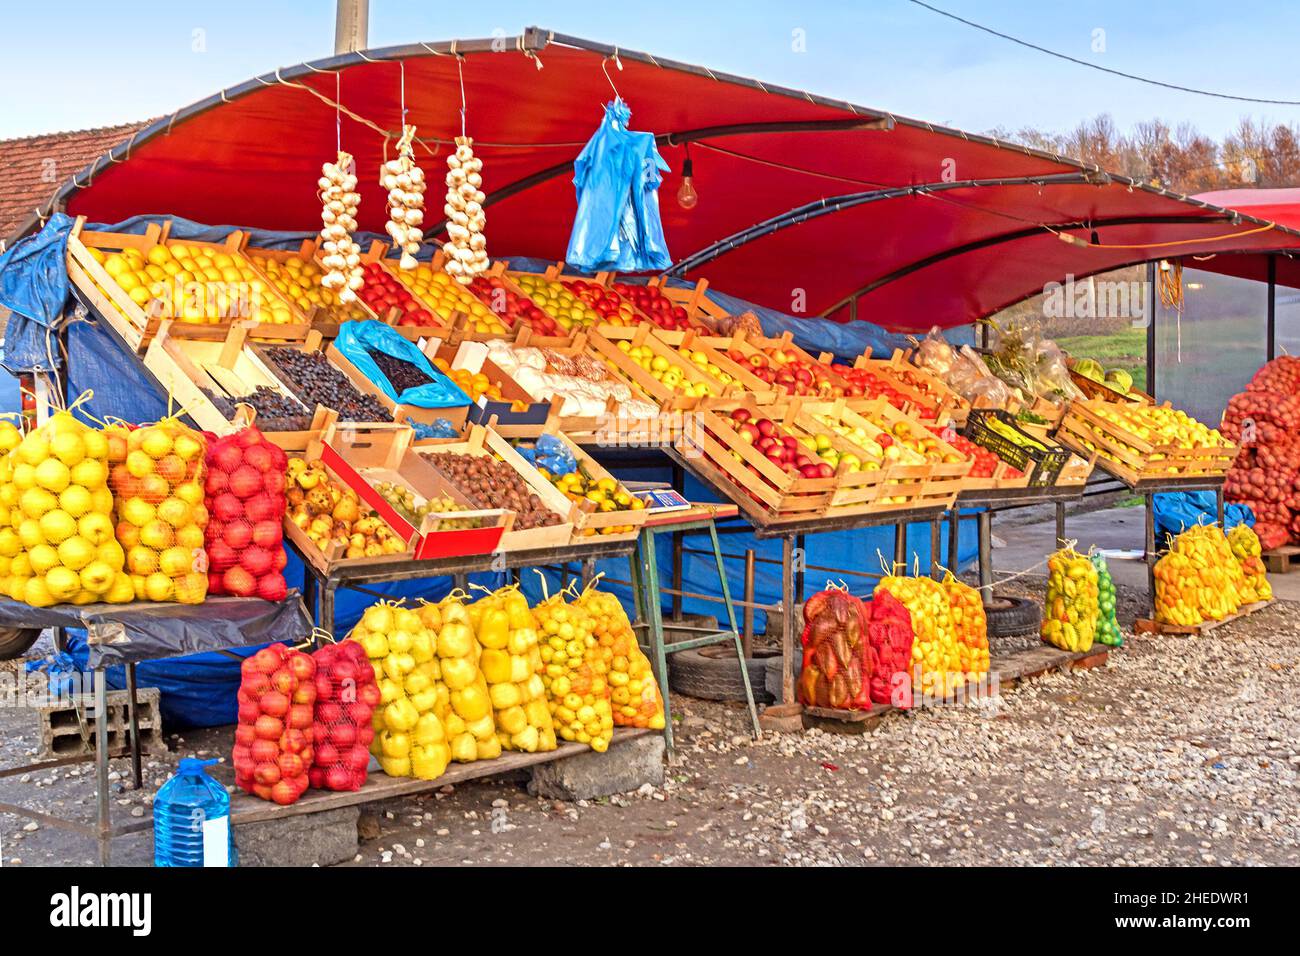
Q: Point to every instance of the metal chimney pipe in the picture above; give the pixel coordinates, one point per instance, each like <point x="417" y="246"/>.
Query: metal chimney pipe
<point x="351" y="26"/>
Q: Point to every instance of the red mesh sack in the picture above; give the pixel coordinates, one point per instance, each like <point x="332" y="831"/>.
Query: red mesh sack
<point x="837" y="660"/>
<point x="346" y="697"/>
<point x="244" y="493"/>
<point x="889" y="637"/>
<point x="273" y="738"/>
<point x="1271" y="535"/>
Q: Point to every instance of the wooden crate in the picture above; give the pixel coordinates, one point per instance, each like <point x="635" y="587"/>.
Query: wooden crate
<point x="768" y="350"/>
<point x="1151" y="626"/>
<point x="456" y="414"/>
<point x="484" y="442"/>
<point x="332" y="558"/>
<point x="189" y="368"/>
<point x="665" y="396"/>
<point x="376" y="453"/>
<point x="588" y="521"/>
<point x="911" y="481"/>
<point x="313" y="343"/>
<point x="1282" y="560"/>
<point x="1129" y="457"/>
<point x="1094" y="389"/>
<point x="743" y="380"/>
<point x="308" y="251"/>
<point x="921" y="386"/>
<point x="534" y="420"/>
<point x="136" y="323"/>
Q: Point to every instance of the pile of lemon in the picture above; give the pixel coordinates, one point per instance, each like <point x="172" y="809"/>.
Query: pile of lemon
<point x="57" y="543"/>
<point x="463" y="702"/>
<point x="511" y="663"/>
<point x="195" y="284"/>
<point x="410" y="738"/>
<point x="576" y="674"/>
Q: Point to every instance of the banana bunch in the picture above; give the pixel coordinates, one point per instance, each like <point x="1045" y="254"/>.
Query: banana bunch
<point x="1073" y="605"/>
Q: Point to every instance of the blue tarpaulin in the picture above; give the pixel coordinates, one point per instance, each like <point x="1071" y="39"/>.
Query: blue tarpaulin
<point x="1175" y="512"/>
<point x="34" y="287"/>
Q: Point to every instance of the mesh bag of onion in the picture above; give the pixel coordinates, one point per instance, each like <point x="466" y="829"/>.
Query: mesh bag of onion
<point x="273" y="738"/>
<point x="245" y="500"/>
<point x="346" y="696"/>
<point x="157" y="473"/>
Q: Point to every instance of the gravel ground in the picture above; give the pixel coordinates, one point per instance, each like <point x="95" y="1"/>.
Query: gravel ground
<point x="1182" y="751"/>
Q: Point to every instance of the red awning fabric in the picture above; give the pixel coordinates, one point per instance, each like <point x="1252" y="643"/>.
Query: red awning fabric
<point x="944" y="227"/>
<point x="1278" y="205"/>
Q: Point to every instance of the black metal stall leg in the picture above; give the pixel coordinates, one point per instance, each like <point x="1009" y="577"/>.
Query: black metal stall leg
<point x="787" y="620"/>
<point x="1218" y="505"/>
<point x="900" y="549"/>
<point x="800" y="564"/>
<point x="1150" y="549"/>
<point x="103" y="828"/>
<point x="954" y="538"/>
<point x="133" y="715"/>
<point x="1060" y="524"/>
<point x="327" y="607"/>
<point x="310" y="593"/>
<point x="935" y="544"/>
<point x="984" y="528"/>
<point x="747" y="638"/>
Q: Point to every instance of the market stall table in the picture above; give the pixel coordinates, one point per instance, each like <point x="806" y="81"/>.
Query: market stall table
<point x="127" y="634"/>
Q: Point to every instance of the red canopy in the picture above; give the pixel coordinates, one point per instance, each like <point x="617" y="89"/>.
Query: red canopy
<point x="806" y="204"/>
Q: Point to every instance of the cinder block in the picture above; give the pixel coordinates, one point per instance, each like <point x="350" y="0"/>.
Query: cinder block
<point x="624" y="767"/>
<point x="305" y="839"/>
<point x="63" y="722"/>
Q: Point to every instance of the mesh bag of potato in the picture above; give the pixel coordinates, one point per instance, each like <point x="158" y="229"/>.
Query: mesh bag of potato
<point x="157" y="474"/>
<point x="576" y="672"/>
<point x="634" y="693"/>
<point x="59" y="545"/>
<point x="511" y="662"/>
<point x="410" y="738"/>
<point x="464" y="705"/>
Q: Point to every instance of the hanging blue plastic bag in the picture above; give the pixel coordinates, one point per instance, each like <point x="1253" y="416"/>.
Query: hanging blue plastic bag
<point x="617" y="176"/>
<point x="550" y="453"/>
<point x="356" y="340"/>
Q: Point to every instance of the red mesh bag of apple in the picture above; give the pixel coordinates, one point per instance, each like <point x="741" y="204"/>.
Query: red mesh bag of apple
<point x="890" y="637"/>
<point x="246" y="502"/>
<point x="836" y="658"/>
<point x="273" y="738"/>
<point x="157" y="477"/>
<point x="346" y="697"/>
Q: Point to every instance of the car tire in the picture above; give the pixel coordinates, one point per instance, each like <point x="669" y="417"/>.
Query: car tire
<point x="710" y="673"/>
<point x="14" y="641"/>
<point x="1013" y="616"/>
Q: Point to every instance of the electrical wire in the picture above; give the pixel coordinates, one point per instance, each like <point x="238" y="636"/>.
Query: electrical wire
<point x="1103" y="69"/>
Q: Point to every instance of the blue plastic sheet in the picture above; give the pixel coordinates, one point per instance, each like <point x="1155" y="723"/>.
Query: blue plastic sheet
<point x="356" y="340"/>
<point x="34" y="287"/>
<point x="1175" y="512"/>
<point x="617" y="176"/>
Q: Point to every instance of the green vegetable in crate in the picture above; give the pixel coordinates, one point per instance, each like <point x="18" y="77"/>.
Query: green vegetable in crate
<point x="1120" y="380"/>
<point x="1090" y="369"/>
<point x="1071" y="609"/>
<point x="1107" y="624"/>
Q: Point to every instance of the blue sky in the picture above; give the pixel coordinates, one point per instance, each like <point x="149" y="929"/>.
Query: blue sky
<point x="70" y="65"/>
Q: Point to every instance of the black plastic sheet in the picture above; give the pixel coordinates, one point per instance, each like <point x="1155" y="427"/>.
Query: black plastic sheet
<point x="130" y="633"/>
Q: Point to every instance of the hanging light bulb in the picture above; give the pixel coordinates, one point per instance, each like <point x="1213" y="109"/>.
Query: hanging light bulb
<point x="687" y="197"/>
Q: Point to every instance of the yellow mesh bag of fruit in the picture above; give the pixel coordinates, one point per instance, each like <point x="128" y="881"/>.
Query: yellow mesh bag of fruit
<point x="634" y="693"/>
<point x="157" y="474"/>
<point x="1247" y="550"/>
<point x="10" y="545"/>
<point x="576" y="673"/>
<point x="936" y="662"/>
<point x="1199" y="579"/>
<point x="970" y="626"/>
<point x="61" y="513"/>
<point x="464" y="704"/>
<point x="1072" y="605"/>
<point x="512" y="663"/>
<point x="410" y="739"/>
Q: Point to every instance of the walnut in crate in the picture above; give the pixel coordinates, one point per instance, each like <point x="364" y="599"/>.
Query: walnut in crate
<point x="405" y="184"/>
<point x="341" y="256"/>
<point x="466" y="246"/>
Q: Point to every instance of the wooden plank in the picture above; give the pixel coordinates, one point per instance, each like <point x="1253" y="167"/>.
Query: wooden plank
<point x="245" y="808"/>
<point x="1149" y="626"/>
<point x="1282" y="560"/>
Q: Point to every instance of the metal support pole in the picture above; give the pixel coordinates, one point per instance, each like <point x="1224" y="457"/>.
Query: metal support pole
<point x="1150" y="547"/>
<point x="984" y="529"/>
<point x="935" y="544"/>
<point x="103" y="826"/>
<point x="1060" y="524"/>
<point x="133" y="715"/>
<point x="900" y="548"/>
<point x="954" y="537"/>
<point x="787" y="620"/>
<point x="1218" y="506"/>
<point x="747" y="638"/>
<point x="327" y="607"/>
<point x="801" y="562"/>
<point x="677" y="575"/>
